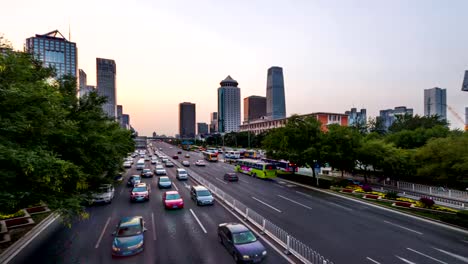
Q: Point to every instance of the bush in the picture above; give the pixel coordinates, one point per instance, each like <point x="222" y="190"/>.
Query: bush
<point x="427" y="202"/>
<point x="463" y="214"/>
<point x="7" y="216"/>
<point x="391" y="195"/>
<point x="341" y="183"/>
<point x="367" y="188"/>
<point x="324" y="183"/>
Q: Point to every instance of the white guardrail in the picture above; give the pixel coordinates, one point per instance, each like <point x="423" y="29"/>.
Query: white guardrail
<point x="290" y="244"/>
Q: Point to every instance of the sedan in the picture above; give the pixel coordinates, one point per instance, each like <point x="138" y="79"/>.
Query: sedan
<point x="186" y="163"/>
<point x="164" y="182"/>
<point x="160" y="170"/>
<point x="147" y="173"/>
<point x="129" y="236"/>
<point x="200" y="163"/>
<point x="127" y="164"/>
<point x="187" y="155"/>
<point x="175" y="157"/>
<point x="172" y="200"/>
<point x="139" y="193"/>
<point x="179" y="152"/>
<point x="231" y="177"/>
<point x="241" y="243"/>
<point x="169" y="164"/>
<point x="134" y="179"/>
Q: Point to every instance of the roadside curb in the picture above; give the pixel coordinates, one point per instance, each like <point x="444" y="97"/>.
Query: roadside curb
<point x="420" y="218"/>
<point x="16" y="248"/>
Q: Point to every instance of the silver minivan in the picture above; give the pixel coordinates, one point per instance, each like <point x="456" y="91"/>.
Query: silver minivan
<point x="182" y="174"/>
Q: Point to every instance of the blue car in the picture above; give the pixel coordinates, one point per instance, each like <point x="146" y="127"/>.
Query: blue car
<point x="129" y="236"/>
<point x="241" y="243"/>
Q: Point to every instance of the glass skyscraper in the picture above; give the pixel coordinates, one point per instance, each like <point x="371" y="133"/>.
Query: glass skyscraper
<point x="187" y="115"/>
<point x="106" y="85"/>
<point x="435" y="102"/>
<point x="229" y="110"/>
<point x="55" y="51"/>
<point x="276" y="106"/>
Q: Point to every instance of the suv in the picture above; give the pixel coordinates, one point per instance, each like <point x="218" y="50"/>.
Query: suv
<point x="134" y="179"/>
<point x="147" y="173"/>
<point x="231" y="177"/>
<point x="241" y="243"/>
<point x="201" y="195"/>
<point x="182" y="174"/>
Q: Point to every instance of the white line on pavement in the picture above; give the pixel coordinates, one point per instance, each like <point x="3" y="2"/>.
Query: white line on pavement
<point x="291" y="200"/>
<point x="220" y="180"/>
<point x="405" y="260"/>
<point x="196" y="218"/>
<point x="121" y="191"/>
<point x="402" y="227"/>
<point x="427" y="256"/>
<point x="175" y="186"/>
<point x="244" y="181"/>
<point x="102" y="233"/>
<point x="279" y="211"/>
<point x="373" y="260"/>
<point x="464" y="259"/>
<point x="153" y="226"/>
<point x="305" y="194"/>
<point x="280" y="186"/>
<point x="466" y="241"/>
<point x="342" y="207"/>
<point x="186" y="186"/>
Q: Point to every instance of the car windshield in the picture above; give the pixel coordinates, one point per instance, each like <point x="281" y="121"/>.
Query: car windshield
<point x="129" y="231"/>
<point x="243" y="237"/>
<point x="174" y="196"/>
<point x="146" y="170"/>
<point x="204" y="193"/>
<point x="139" y="189"/>
<point x="163" y="179"/>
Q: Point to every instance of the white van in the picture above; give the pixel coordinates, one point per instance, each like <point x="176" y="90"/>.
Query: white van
<point x="182" y="174"/>
<point x="140" y="164"/>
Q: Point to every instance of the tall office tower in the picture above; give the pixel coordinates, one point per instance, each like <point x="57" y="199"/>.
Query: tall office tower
<point x="356" y="117"/>
<point x="119" y="114"/>
<point x="214" y="122"/>
<point x="229" y="115"/>
<point x="55" y="51"/>
<point x="82" y="82"/>
<point x="106" y="84"/>
<point x="389" y="116"/>
<point x="275" y="106"/>
<point x="187" y="120"/>
<point x="202" y="128"/>
<point x="465" y="82"/>
<point x="254" y="107"/>
<point x="435" y="102"/>
<point x="126" y="121"/>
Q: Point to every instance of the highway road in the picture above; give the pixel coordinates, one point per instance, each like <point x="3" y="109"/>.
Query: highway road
<point x="187" y="235"/>
<point x="343" y="231"/>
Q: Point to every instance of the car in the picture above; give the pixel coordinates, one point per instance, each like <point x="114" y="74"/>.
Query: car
<point x="160" y="148"/>
<point x="127" y="164"/>
<point x="172" y="200"/>
<point x="118" y="177"/>
<point x="134" y="179"/>
<point x="187" y="155"/>
<point x="200" y="163"/>
<point x="154" y="160"/>
<point x="104" y="194"/>
<point x="186" y="163"/>
<point x="164" y="182"/>
<point x="175" y="157"/>
<point x="147" y="173"/>
<point x="241" y="243"/>
<point x="201" y="195"/>
<point x="164" y="160"/>
<point x="169" y="164"/>
<point x="129" y="236"/>
<point x="160" y="170"/>
<point x="181" y="174"/>
<point x="170" y="147"/>
<point x="140" y="193"/>
<point x="179" y="152"/>
<point x="147" y="158"/>
<point x="230" y="176"/>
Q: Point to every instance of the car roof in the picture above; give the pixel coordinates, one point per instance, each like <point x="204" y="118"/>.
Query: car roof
<point x="199" y="187"/>
<point x="141" y="184"/>
<point x="130" y="221"/>
<point x="235" y="227"/>
<point x="171" y="192"/>
<point x="163" y="177"/>
<point x="180" y="169"/>
<point x="231" y="173"/>
<point x="133" y="176"/>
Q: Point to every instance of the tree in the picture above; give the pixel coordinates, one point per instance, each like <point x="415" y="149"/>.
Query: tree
<point x="376" y="125"/>
<point x="411" y="139"/>
<point x="410" y="122"/>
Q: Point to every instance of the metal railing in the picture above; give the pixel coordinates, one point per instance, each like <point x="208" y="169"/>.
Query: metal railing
<point x="290" y="244"/>
<point x="439" y="200"/>
<point x="433" y="191"/>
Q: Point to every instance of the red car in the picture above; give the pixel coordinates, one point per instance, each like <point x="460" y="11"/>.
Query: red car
<point x="172" y="199"/>
<point x="175" y="157"/>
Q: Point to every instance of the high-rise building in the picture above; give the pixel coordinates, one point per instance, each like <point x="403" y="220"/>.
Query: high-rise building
<point x="389" y="116"/>
<point x="465" y="82"/>
<point x="55" y="51"/>
<point x="119" y="114"/>
<point x="214" y="122"/>
<point x="82" y="81"/>
<point x="435" y="102"/>
<point x="202" y="128"/>
<point x="229" y="115"/>
<point x="106" y="84"/>
<point x="187" y="115"/>
<point x="254" y="107"/>
<point x="126" y="121"/>
<point x="275" y="106"/>
<point x="356" y="117"/>
<point x="87" y="90"/>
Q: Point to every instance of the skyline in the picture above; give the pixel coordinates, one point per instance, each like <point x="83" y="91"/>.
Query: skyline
<point x="335" y="54"/>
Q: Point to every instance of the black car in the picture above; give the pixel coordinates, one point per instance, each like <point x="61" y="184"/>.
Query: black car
<point x="231" y="177"/>
<point x="242" y="243"/>
<point x="179" y="152"/>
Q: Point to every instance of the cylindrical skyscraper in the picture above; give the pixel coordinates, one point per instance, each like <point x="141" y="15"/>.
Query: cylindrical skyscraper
<point x="276" y="106"/>
<point x="229" y="112"/>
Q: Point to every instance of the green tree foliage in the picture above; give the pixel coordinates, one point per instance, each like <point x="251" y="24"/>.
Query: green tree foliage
<point x="409" y="122"/>
<point x="53" y="147"/>
<point x="410" y="139"/>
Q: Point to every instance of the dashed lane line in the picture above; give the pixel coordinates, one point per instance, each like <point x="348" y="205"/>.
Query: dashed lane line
<point x="260" y="201"/>
<point x="293" y="201"/>
<point x="102" y="233"/>
<point x="402" y="227"/>
<point x="427" y="256"/>
<point x="376" y="262"/>
<point x="198" y="220"/>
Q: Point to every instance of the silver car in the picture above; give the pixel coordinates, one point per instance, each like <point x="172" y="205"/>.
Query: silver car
<point x="160" y="170"/>
<point x="164" y="182"/>
<point x="105" y="194"/>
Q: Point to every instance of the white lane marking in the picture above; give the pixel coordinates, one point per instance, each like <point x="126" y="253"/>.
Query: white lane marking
<point x="466" y="241"/>
<point x="102" y="233"/>
<point x="464" y="259"/>
<point x="372" y="260"/>
<point x="244" y="181"/>
<point x="427" y="256"/>
<point x="280" y="186"/>
<point x="342" y="207"/>
<point x="153" y="226"/>
<point x="291" y="185"/>
<point x="186" y="186"/>
<point x="196" y="218"/>
<point x="305" y="194"/>
<point x="279" y="211"/>
<point x="402" y="227"/>
<point x="405" y="260"/>
<point x="175" y="186"/>
<point x="220" y="180"/>
<point x="291" y="200"/>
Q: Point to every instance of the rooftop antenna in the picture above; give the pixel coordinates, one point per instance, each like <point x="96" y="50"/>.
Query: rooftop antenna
<point x="69" y="30"/>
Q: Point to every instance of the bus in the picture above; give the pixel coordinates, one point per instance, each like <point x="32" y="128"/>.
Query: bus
<point x="256" y="168"/>
<point x="251" y="154"/>
<point x="232" y="154"/>
<point x="283" y="166"/>
<point x="210" y="156"/>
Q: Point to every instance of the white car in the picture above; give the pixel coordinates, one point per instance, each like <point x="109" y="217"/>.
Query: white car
<point x="154" y="161"/>
<point x="160" y="170"/>
<point x="200" y="163"/>
<point x="127" y="164"/>
<point x="105" y="194"/>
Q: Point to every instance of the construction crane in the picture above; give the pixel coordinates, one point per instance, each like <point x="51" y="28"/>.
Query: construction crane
<point x="457" y="116"/>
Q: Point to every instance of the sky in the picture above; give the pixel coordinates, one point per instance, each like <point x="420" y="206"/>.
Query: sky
<point x="335" y="54"/>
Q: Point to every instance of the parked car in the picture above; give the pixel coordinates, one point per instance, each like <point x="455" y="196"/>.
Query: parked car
<point x="134" y="179"/>
<point x="231" y="177"/>
<point x="140" y="193"/>
<point x="169" y="164"/>
<point x="129" y="236"/>
<point x="175" y="157"/>
<point x="147" y="173"/>
<point x="172" y="200"/>
<point x="181" y="174"/>
<point x="242" y="243"/>
<point x="164" y="182"/>
<point x="200" y="163"/>
<point x="104" y="194"/>
<point x="201" y="195"/>
<point x="160" y="170"/>
<point x="186" y="163"/>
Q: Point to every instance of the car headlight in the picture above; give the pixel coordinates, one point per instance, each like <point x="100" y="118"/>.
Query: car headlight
<point x="264" y="252"/>
<point x="114" y="248"/>
<point x="246" y="257"/>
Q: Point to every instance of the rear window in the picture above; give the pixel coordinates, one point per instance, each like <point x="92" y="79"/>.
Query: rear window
<point x="139" y="189"/>
<point x="172" y="196"/>
<point x="164" y="179"/>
